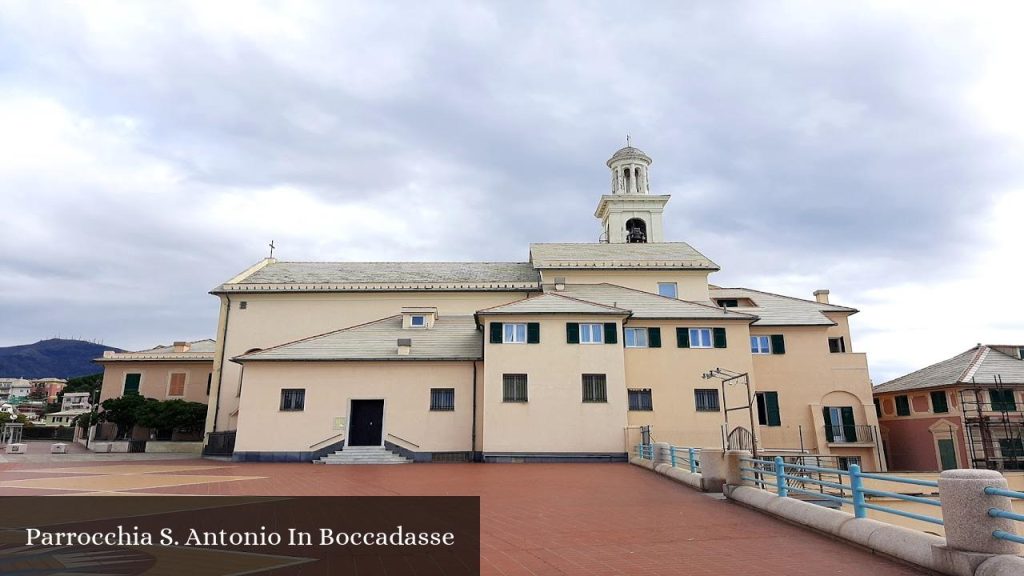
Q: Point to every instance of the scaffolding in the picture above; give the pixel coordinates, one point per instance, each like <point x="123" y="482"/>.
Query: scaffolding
<point x="993" y="425"/>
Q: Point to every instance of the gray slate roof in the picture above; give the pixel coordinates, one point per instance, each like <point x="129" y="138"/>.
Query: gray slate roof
<point x="451" y="338"/>
<point x="647" y="305"/>
<point x="980" y="364"/>
<point x="199" y="351"/>
<point x="552" y="303"/>
<point x="657" y="255"/>
<point x="777" y="310"/>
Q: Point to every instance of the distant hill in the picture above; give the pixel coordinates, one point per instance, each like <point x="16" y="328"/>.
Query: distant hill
<point x="55" y="357"/>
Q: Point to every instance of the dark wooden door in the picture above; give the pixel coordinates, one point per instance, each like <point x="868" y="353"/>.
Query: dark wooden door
<point x="365" y="425"/>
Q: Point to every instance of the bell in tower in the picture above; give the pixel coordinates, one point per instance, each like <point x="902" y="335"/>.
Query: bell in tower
<point x="631" y="214"/>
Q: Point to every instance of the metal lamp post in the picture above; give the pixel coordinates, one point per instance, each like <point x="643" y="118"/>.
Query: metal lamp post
<point x="729" y="377"/>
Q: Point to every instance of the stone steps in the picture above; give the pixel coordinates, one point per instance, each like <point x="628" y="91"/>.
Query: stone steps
<point x="363" y="455"/>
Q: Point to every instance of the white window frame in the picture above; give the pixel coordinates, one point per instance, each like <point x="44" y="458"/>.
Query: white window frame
<point x="513" y="333"/>
<point x="673" y="285"/>
<point x="696" y="340"/>
<point x="422" y="321"/>
<point x="591" y="333"/>
<point x="758" y="348"/>
<point x="632" y="333"/>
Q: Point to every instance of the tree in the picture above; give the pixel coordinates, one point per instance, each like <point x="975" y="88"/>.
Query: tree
<point x="86" y="420"/>
<point x="171" y="415"/>
<point x="37" y="393"/>
<point x="124" y="412"/>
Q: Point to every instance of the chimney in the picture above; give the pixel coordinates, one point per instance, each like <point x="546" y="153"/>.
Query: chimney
<point x="404" y="346"/>
<point x="559" y="283"/>
<point x="821" y="296"/>
<point x="181" y="346"/>
<point x="108" y="353"/>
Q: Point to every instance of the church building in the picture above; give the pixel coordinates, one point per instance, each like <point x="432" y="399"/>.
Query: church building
<point x="567" y="356"/>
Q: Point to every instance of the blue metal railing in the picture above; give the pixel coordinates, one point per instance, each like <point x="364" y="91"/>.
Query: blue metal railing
<point x="645" y="451"/>
<point x="783" y="478"/>
<point x="1000" y="513"/>
<point x="678" y="456"/>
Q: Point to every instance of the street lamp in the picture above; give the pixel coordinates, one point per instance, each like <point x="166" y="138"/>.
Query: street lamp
<point x="729" y="377"/>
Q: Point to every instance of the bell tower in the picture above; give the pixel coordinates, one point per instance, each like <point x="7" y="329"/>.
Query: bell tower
<point x="631" y="214"/>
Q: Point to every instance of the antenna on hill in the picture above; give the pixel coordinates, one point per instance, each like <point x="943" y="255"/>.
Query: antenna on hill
<point x="271" y="248"/>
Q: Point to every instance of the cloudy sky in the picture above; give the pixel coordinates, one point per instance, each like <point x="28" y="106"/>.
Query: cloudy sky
<point x="151" y="150"/>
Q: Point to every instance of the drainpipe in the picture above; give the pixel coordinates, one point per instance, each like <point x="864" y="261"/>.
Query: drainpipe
<point x="472" y="446"/>
<point x="220" y="373"/>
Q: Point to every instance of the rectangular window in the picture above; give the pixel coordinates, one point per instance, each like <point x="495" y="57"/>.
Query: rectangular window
<point x="131" y="383"/>
<point x="418" y="321"/>
<point x="939" y="404"/>
<point x="668" y="289"/>
<point x="442" y="399"/>
<point x="293" y="399"/>
<point x="514" y="334"/>
<point x="595" y="388"/>
<point x="514" y="388"/>
<point x="706" y="399"/>
<point x="768" y="409"/>
<point x="591" y="333"/>
<point x="1011" y="447"/>
<point x="845" y="462"/>
<point x="177" y="384"/>
<point x="839" y="424"/>
<point x="700" y="337"/>
<point x="209" y="382"/>
<point x="640" y="400"/>
<point x="902" y="405"/>
<point x="760" y="345"/>
<point x="837" y="345"/>
<point x="878" y="408"/>
<point x="728" y="302"/>
<point x="636" y="338"/>
<point x="1002" y="400"/>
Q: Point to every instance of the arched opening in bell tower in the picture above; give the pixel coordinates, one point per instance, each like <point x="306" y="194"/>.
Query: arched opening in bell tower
<point x="636" y="231"/>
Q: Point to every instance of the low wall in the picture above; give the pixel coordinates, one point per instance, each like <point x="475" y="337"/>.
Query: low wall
<point x="174" y="447"/>
<point x="678" y="474"/>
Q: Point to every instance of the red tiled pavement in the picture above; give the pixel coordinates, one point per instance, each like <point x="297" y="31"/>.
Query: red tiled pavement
<point x="554" y="519"/>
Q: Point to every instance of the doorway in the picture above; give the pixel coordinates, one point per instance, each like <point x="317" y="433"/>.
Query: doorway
<point x="366" y="423"/>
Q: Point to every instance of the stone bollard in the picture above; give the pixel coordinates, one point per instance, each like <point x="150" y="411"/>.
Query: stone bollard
<point x="660" y="453"/>
<point x="965" y="511"/>
<point x="732" y="468"/>
<point x="712" y="469"/>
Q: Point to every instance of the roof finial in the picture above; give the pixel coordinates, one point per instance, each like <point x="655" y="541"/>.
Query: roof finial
<point x="271" y="248"/>
<point x="627" y="140"/>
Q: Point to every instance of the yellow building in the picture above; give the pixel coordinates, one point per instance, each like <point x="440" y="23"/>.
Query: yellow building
<point x="563" y="357"/>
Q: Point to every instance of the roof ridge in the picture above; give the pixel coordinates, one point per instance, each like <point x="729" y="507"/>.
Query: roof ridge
<point x="974" y="364"/>
<point x="544" y="294"/>
<point x="673" y="299"/>
<point x="932" y="365"/>
<point x="319" y="335"/>
<point x="399" y="262"/>
<point x="805" y="300"/>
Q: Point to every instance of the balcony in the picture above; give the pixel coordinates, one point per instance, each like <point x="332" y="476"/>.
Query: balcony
<point x="849" y="435"/>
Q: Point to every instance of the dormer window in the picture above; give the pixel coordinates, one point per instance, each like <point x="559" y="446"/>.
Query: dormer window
<point x="419" y="317"/>
<point x="417" y="321"/>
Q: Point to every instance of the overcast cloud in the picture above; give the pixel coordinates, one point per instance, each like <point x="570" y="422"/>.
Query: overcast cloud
<point x="150" y="151"/>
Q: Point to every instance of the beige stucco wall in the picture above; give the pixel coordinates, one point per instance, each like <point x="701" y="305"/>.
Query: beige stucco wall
<point x="156" y="376"/>
<point x="673" y="373"/>
<point x="555" y="419"/>
<point x="403" y="385"/>
<point x="274" y="319"/>
<point x="691" y="284"/>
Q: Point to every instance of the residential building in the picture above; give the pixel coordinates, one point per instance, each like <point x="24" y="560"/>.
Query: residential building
<point x="14" y="387"/>
<point x="562" y="357"/>
<point x="49" y="388"/>
<point x="181" y="370"/>
<point x="72" y="405"/>
<point x="963" y="412"/>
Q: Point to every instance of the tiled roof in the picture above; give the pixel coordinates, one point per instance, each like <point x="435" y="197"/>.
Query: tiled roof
<point x="647" y="305"/>
<point x="777" y="310"/>
<point x="340" y="276"/>
<point x="552" y="303"/>
<point x="657" y="255"/>
<point x="981" y="364"/>
<point x="199" y="351"/>
<point x="451" y="338"/>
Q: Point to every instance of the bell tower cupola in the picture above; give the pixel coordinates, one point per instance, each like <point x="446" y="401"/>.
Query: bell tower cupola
<point x="631" y="214"/>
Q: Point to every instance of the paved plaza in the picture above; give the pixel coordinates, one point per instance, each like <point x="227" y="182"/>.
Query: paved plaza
<point x="537" y="519"/>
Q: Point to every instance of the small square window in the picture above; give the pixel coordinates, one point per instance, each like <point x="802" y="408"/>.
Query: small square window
<point x="837" y="345"/>
<point x="636" y="338"/>
<point x="131" y="383"/>
<point x="700" y="337"/>
<point x="668" y="289"/>
<point x="514" y="334"/>
<point x="939" y="404"/>
<point x="514" y="388"/>
<point x="442" y="399"/>
<point x="591" y="333"/>
<point x="293" y="399"/>
<point x="706" y="399"/>
<point x="728" y="302"/>
<point x="595" y="388"/>
<point x="760" y="345"/>
<point x="640" y="400"/>
<point x="418" y="321"/>
<point x="902" y="405"/>
<point x="243" y="305"/>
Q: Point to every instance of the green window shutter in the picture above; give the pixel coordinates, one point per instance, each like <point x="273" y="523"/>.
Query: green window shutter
<point x="778" y="344"/>
<point x="902" y="406"/>
<point x="718" y="337"/>
<point x="939" y="404"/>
<point x="829" y="435"/>
<point x="533" y="332"/>
<point x="131" y="383"/>
<point x="572" y="332"/>
<point x="771" y="400"/>
<point x="849" y="429"/>
<point x="611" y="335"/>
<point x="654" y="337"/>
<point x="496" y="328"/>
<point x="683" y="337"/>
